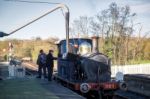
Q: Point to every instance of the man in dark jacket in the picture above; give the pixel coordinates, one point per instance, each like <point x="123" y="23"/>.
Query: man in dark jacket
<point x="41" y="61"/>
<point x="50" y="64"/>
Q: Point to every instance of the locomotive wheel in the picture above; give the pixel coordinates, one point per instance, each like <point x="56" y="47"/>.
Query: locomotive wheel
<point x="99" y="95"/>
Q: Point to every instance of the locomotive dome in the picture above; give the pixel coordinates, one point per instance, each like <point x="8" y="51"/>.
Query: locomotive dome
<point x="85" y="48"/>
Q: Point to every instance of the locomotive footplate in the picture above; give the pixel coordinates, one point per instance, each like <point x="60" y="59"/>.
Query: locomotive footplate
<point x="86" y="87"/>
<point x="69" y="84"/>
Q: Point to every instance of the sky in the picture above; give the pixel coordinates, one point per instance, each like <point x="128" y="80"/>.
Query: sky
<point x="15" y="14"/>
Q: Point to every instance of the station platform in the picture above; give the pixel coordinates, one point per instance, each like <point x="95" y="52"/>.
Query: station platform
<point x="33" y="88"/>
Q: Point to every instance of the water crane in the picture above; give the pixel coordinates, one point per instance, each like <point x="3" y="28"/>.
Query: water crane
<point x="59" y="6"/>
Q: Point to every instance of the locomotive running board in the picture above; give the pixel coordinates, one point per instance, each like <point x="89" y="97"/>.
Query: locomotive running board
<point x="69" y="84"/>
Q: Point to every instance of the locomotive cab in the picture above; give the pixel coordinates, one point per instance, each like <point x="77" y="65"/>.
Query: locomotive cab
<point x="76" y="46"/>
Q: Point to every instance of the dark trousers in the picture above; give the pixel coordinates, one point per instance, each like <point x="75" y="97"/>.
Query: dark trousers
<point x="40" y="70"/>
<point x="50" y="72"/>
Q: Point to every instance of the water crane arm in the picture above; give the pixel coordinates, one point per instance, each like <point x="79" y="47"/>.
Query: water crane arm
<point x="66" y="10"/>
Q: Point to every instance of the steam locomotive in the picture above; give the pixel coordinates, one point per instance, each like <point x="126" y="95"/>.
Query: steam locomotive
<point x="84" y="69"/>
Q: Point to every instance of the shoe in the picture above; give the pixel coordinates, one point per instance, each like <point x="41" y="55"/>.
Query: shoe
<point x="38" y="77"/>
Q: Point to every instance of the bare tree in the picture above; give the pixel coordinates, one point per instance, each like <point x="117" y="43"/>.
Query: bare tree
<point x="81" y="26"/>
<point x="114" y="27"/>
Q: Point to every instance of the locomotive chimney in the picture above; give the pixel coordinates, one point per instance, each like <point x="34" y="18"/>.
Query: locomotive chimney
<point x="95" y="44"/>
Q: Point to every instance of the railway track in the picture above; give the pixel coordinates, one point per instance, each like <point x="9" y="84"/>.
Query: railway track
<point x="31" y="68"/>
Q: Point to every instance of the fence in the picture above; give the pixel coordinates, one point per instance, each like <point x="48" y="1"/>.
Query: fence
<point x="131" y="69"/>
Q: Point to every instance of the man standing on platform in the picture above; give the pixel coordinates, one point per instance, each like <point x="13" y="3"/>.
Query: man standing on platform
<point x="41" y="61"/>
<point x="50" y="64"/>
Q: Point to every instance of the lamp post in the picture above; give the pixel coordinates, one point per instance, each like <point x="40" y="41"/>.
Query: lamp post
<point x="59" y="6"/>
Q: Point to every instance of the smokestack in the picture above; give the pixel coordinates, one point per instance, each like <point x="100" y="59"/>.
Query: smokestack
<point x="95" y="44"/>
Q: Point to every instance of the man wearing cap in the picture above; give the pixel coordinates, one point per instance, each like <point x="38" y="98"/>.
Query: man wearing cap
<point x="50" y="64"/>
